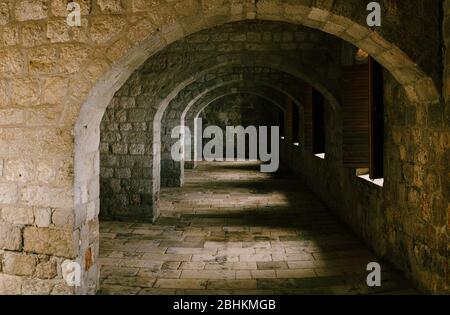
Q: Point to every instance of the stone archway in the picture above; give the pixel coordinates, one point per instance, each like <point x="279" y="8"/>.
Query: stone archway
<point x="172" y="172"/>
<point x="419" y="87"/>
<point x="119" y="44"/>
<point x="262" y="88"/>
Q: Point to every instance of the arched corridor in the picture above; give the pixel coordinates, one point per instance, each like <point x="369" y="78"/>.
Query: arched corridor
<point x="92" y="185"/>
<point x="234" y="230"/>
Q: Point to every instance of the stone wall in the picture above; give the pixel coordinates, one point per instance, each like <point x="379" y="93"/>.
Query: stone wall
<point x="56" y="82"/>
<point x="126" y="187"/>
<point x="446" y="38"/>
<point x="239" y="110"/>
<point x="406" y="221"/>
<point x="446" y="94"/>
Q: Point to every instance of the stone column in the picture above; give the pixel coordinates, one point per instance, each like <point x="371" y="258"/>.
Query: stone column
<point x="172" y="172"/>
<point x="446" y="35"/>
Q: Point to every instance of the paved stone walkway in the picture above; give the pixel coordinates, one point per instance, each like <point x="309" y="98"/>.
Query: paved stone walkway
<point x="234" y="230"/>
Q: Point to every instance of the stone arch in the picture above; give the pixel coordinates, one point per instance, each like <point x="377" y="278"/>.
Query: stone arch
<point x="166" y="24"/>
<point x="199" y="106"/>
<point x="175" y="170"/>
<point x="145" y="198"/>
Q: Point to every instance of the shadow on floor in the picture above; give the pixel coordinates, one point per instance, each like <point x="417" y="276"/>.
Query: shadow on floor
<point x="234" y="230"/>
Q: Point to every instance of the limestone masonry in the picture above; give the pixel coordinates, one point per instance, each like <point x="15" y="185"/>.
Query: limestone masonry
<point x="86" y="115"/>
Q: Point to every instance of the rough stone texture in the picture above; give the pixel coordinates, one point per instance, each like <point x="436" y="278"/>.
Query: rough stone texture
<point x="10" y="237"/>
<point x="282" y="242"/>
<point x="19" y="264"/>
<point x="50" y="241"/>
<point x="399" y="220"/>
<point x="22" y="216"/>
<point x="68" y="130"/>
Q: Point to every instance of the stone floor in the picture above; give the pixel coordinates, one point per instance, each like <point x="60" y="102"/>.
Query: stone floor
<point x="234" y="230"/>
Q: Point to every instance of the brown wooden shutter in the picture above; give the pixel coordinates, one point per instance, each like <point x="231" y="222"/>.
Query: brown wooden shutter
<point x="318" y="123"/>
<point x="288" y="119"/>
<point x="355" y="112"/>
<point x="376" y="118"/>
<point x="281" y="122"/>
<point x="307" y="99"/>
<point x="295" y="123"/>
<point x="313" y="103"/>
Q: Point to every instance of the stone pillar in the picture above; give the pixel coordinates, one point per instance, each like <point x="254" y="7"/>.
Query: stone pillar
<point x="172" y="172"/>
<point x="42" y="235"/>
<point x="126" y="175"/>
<point x="193" y="163"/>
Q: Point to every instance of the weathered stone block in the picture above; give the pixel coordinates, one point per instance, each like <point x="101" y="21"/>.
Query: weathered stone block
<point x="110" y="6"/>
<point x="10" y="237"/>
<point x="43" y="116"/>
<point x="19" y="264"/>
<point x="19" y="216"/>
<point x="51" y="241"/>
<point x="73" y="57"/>
<point x="46" y="270"/>
<point x="137" y="149"/>
<point x="25" y="92"/>
<point x="48" y="172"/>
<point x="105" y="28"/>
<point x="4" y="93"/>
<point x="59" y="7"/>
<point x="123" y="173"/>
<point x="19" y="170"/>
<point x="8" y="193"/>
<point x="42" y="60"/>
<point x="4" y="13"/>
<point x="61" y="288"/>
<point x="11" y="61"/>
<point x="63" y="218"/>
<point x="33" y="35"/>
<point x="42" y="217"/>
<point x="58" y="31"/>
<point x="36" y="287"/>
<point x="10" y="285"/>
<point x="11" y="116"/>
<point x="31" y="10"/>
<point x="120" y="148"/>
<point x="137" y="115"/>
<point x="41" y="196"/>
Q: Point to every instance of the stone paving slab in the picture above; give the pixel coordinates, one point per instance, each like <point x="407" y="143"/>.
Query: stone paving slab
<point x="232" y="230"/>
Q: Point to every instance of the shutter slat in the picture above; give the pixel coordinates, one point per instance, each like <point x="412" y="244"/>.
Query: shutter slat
<point x="355" y="111"/>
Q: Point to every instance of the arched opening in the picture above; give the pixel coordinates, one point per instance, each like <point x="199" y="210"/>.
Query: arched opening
<point x="417" y="87"/>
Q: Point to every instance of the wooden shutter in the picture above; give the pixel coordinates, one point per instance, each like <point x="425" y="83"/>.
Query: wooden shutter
<point x="376" y="118"/>
<point x="355" y="112"/>
<point x="281" y="122"/>
<point x="288" y="120"/>
<point x="307" y="99"/>
<point x="295" y="123"/>
<point x="318" y="122"/>
<point x="313" y="104"/>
